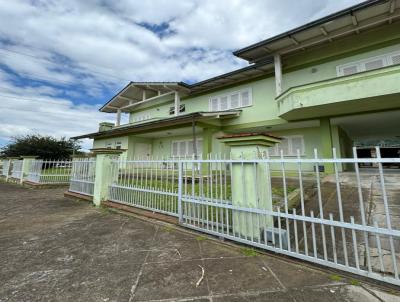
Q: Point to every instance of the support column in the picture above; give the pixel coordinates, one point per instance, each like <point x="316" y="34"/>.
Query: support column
<point x="278" y="74"/>
<point x="177" y="103"/>
<point x="26" y="165"/>
<point x="118" y="123"/>
<point x="326" y="143"/>
<point x="104" y="173"/>
<point x="207" y="142"/>
<point x="251" y="185"/>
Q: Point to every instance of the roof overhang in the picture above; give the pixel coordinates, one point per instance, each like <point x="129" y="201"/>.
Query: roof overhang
<point x="355" y="19"/>
<point x="139" y="93"/>
<point x="259" y="69"/>
<point x="180" y="120"/>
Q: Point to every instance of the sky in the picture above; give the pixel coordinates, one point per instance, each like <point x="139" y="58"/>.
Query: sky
<point x="61" y="60"/>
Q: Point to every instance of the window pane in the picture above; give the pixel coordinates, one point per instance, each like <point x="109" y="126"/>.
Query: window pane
<point x="199" y="146"/>
<point x="235" y="100"/>
<point x="174" y="149"/>
<point x="297" y="144"/>
<point x="190" y="147"/>
<point x="284" y="146"/>
<point x="245" y="98"/>
<point x="182" y="148"/>
<point x="349" y="70"/>
<point x="223" y="103"/>
<point x="214" y="104"/>
<point x="396" y="59"/>
<point x="374" y="64"/>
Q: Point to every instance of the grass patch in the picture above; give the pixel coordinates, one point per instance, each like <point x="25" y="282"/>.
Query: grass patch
<point x="201" y="238"/>
<point x="249" y="252"/>
<point x="336" y="278"/>
<point x="168" y="228"/>
<point x="355" y="282"/>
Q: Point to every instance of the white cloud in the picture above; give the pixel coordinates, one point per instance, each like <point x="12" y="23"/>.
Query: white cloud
<point x="81" y="43"/>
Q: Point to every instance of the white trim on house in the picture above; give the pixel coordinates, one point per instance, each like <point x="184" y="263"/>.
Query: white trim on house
<point x="289" y="146"/>
<point x="232" y="100"/>
<point x="372" y="63"/>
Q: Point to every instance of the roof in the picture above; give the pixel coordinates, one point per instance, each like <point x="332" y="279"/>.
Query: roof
<point x="154" y="124"/>
<point x="133" y="93"/>
<point x="345" y="22"/>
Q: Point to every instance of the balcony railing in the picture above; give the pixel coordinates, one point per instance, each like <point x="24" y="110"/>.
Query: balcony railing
<point x="373" y="90"/>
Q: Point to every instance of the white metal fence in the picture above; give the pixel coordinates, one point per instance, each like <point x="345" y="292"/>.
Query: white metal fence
<point x="5" y="166"/>
<point x="344" y="220"/>
<point x="151" y="185"/>
<point x="16" y="169"/>
<point x="49" y="171"/>
<point x="83" y="176"/>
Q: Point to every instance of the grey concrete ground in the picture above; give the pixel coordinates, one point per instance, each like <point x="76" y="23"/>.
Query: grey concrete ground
<point x="54" y="249"/>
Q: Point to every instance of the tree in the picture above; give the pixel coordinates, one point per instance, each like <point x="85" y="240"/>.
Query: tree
<point x="45" y="147"/>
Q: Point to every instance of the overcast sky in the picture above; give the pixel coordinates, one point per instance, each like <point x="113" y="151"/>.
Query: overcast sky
<point x="60" y="60"/>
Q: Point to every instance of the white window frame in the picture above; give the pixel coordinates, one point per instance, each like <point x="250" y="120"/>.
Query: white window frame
<point x="187" y="141"/>
<point x="228" y="95"/>
<point x="276" y="151"/>
<point x="118" y="145"/>
<point x="142" y="117"/>
<point x="387" y="61"/>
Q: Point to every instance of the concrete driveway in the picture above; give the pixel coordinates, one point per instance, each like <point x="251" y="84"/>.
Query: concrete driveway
<point x="55" y="249"/>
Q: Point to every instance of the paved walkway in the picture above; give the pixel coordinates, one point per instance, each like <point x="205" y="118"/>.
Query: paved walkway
<point x="54" y="249"/>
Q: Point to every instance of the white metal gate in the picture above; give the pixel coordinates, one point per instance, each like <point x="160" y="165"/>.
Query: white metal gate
<point x="342" y="220"/>
<point x="83" y="176"/>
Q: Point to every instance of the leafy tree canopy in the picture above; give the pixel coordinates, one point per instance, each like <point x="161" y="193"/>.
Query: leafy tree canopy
<point x="45" y="147"/>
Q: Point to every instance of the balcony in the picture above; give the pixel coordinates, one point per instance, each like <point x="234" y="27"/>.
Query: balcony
<point x="367" y="91"/>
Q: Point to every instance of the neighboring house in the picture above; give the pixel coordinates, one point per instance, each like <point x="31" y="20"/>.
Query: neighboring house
<point x="334" y="82"/>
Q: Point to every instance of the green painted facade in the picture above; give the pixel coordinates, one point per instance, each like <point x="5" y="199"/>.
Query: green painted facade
<point x="313" y="96"/>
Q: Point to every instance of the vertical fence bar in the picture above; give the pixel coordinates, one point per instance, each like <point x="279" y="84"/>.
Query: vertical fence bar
<point x="387" y="213"/>
<point x="180" y="175"/>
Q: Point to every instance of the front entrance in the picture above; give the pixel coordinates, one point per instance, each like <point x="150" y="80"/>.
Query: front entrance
<point x="142" y="151"/>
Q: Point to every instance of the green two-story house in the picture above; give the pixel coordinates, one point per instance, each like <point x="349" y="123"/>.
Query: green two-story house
<point x="331" y="83"/>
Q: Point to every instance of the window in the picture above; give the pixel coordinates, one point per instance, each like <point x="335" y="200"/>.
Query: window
<point x="142" y="117"/>
<point x="109" y="145"/>
<point x="182" y="108"/>
<point x="237" y="99"/>
<point x="118" y="145"/>
<point x="369" y="64"/>
<point x="184" y="148"/>
<point x="289" y="146"/>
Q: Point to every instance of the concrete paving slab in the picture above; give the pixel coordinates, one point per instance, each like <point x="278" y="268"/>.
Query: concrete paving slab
<point x="232" y="275"/>
<point x="175" y="280"/>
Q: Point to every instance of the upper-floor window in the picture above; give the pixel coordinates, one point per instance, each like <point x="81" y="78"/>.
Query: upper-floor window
<point x="369" y="64"/>
<point x="232" y="100"/>
<point x="182" y="108"/>
<point x="109" y="145"/>
<point x="118" y="145"/>
<point x="184" y="148"/>
<point x="289" y="146"/>
<point x="142" y="117"/>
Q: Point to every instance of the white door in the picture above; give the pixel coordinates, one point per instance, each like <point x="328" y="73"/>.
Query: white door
<point x="142" y="151"/>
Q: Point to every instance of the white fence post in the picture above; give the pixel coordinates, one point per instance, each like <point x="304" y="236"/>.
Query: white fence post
<point x="27" y="162"/>
<point x="8" y="172"/>
<point x="103" y="174"/>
